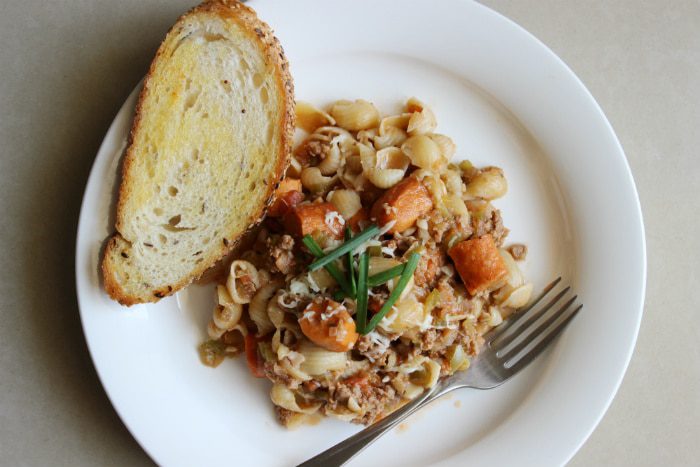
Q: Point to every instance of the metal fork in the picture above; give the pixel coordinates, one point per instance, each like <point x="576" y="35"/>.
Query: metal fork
<point x="507" y="349"/>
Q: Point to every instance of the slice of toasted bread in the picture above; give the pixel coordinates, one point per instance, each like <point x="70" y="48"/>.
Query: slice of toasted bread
<point x="209" y="144"/>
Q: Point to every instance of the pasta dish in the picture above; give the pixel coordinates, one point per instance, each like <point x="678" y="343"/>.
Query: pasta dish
<point x="376" y="272"/>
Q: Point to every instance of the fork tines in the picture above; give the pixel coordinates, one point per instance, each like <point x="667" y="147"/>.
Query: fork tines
<point x="520" y="339"/>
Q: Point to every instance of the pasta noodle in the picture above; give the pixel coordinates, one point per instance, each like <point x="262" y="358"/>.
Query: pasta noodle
<point x="313" y="180"/>
<point x="446" y="145"/>
<point x="422" y="151"/>
<point x="406" y="314"/>
<point x="395" y="121"/>
<point x="358" y="115"/>
<point x="453" y="182"/>
<point x="258" y="307"/>
<point x="518" y="297"/>
<point x="226" y="317"/>
<point x="427" y="374"/>
<point x="284" y="397"/>
<point x="318" y="361"/>
<point x="347" y="202"/>
<point x="422" y="119"/>
<point x="488" y="184"/>
<point x="242" y="282"/>
<point x="392" y="136"/>
<point x="308" y="117"/>
<point x="384" y="168"/>
<point x="330" y="164"/>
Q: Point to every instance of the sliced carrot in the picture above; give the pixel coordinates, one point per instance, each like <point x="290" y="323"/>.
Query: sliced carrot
<point x="253" y="358"/>
<point x="403" y="203"/>
<point x="328" y="324"/>
<point x="478" y="263"/>
<point x="354" y="221"/>
<point x="313" y="219"/>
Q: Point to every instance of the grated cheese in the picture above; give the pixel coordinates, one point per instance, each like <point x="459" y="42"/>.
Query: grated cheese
<point x="373" y="241"/>
<point x="379" y="340"/>
<point x="427" y="323"/>
<point x="388" y="251"/>
<point x="312" y="283"/>
<point x="333" y="219"/>
<point x="308" y="315"/>
<point x="389" y="319"/>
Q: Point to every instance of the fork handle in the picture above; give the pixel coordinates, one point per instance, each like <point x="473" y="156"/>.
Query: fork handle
<point x="347" y="449"/>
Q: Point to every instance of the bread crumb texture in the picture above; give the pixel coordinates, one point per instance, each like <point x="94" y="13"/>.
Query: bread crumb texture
<point x="209" y="143"/>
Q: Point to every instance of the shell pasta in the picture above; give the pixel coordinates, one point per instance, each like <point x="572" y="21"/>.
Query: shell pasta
<point x="379" y="267"/>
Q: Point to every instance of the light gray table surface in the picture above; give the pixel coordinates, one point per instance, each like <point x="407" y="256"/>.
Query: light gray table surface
<point x="66" y="66"/>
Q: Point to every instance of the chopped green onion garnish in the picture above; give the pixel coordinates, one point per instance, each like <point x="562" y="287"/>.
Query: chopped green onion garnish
<point x="339" y="295"/>
<point x="378" y="279"/>
<point x="385" y="276"/>
<point x="332" y="269"/>
<point x="406" y="275"/>
<point x="362" y="293"/>
<point x="346" y="247"/>
<point x="349" y="266"/>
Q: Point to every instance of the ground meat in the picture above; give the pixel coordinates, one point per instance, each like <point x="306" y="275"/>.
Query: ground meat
<point x="432" y="259"/>
<point x="317" y="148"/>
<point x="400" y="244"/>
<point x="247" y="285"/>
<point x="281" y="252"/>
<point x="427" y="339"/>
<point x="275" y="373"/>
<point x="490" y="224"/>
<point x="311" y="151"/>
<point x="518" y="251"/>
<point x="448" y="301"/>
<point x="462" y="230"/>
<point x="444" y="339"/>
<point x="370" y="348"/>
<point x="499" y="231"/>
<point x="469" y="339"/>
<point x="434" y="341"/>
<point x="283" y="415"/>
<point x="438" y="224"/>
<point x="385" y="359"/>
<point x="375" y="399"/>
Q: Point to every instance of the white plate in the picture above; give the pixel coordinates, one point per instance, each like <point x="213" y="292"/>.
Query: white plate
<point x="507" y="100"/>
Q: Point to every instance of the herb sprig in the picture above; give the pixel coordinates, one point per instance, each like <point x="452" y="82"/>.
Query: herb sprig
<point x="359" y="282"/>
<point x="330" y="267"/>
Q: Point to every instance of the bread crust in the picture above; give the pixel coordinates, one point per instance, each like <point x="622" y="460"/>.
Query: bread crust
<point x="260" y="33"/>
